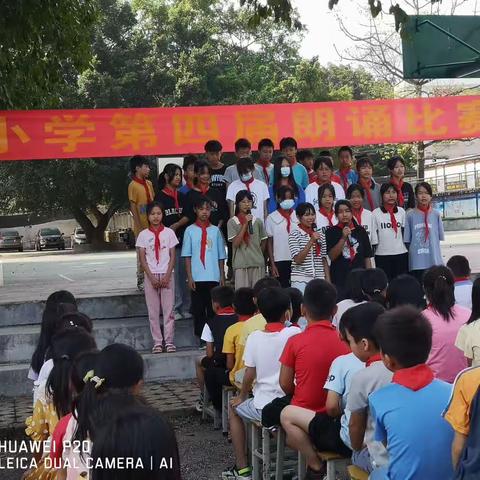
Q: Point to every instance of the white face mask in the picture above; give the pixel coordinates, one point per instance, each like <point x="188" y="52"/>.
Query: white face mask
<point x="287" y="204"/>
<point x="285" y="171"/>
<point x="246" y="177"/>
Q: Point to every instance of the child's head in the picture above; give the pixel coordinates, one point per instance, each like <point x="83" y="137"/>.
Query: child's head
<point x="296" y="299"/>
<point x="324" y="169"/>
<point x="67" y="345"/>
<point x="306" y="214"/>
<point x="459" y="266"/>
<point x="188" y="167"/>
<point x="288" y="146"/>
<point x="81" y="366"/>
<point x="243" y="202"/>
<point x="404" y="290"/>
<point x="326" y="196"/>
<point x="374" y="283"/>
<point x="357" y="325"/>
<point x="243" y="302"/>
<point x="201" y="170"/>
<point x="263" y="283"/>
<point x="170" y="177"/>
<point x="73" y="319"/>
<point x="245" y="168"/>
<point x="439" y="287"/>
<point x="355" y="193"/>
<point x="306" y="158"/>
<point x="285" y="196"/>
<point x="274" y="304"/>
<point x="423" y="194"/>
<point x="281" y="169"/>
<point x="222" y="297"/>
<point x="319" y="301"/>
<point x="345" y="157"/>
<point x="202" y="208"/>
<point x="365" y="168"/>
<point x="243" y="148"/>
<point x="139" y="166"/>
<point x="213" y="151"/>
<point x="404" y="336"/>
<point x="389" y="194"/>
<point x="475" y="301"/>
<point x="265" y="149"/>
<point x="396" y="165"/>
<point x="353" y="285"/>
<point x="343" y="212"/>
<point x="155" y="213"/>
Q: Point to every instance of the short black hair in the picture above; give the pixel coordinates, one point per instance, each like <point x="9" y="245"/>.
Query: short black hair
<point x="272" y="303"/>
<point x="282" y="192"/>
<point x="323" y="161"/>
<point x="353" y="285"/>
<point x="138" y="161"/>
<point x="345" y="148"/>
<point x="200" y="165"/>
<point x="340" y="203"/>
<point x="242" y="143"/>
<point x="391" y="162"/>
<point x="200" y="201"/>
<point x="263" y="283"/>
<point x="320" y="299"/>
<point x="296" y="299"/>
<point x="154" y="204"/>
<point x="303" y="154"/>
<point x="321" y="191"/>
<point x="245" y="165"/>
<point x="240" y="196"/>
<point x="459" y="266"/>
<point x="243" y="301"/>
<point x="363" y="161"/>
<point x="303" y="208"/>
<point x="426" y="186"/>
<point x="360" y="321"/>
<point x="213" y="146"/>
<point x="404" y="334"/>
<point x="354" y="187"/>
<point x="325" y="153"/>
<point x="404" y="290"/>
<point x="265" y="142"/>
<point x="222" y="295"/>
<point x="188" y="160"/>
<point x="286" y="142"/>
<point x="374" y="281"/>
<point x="385" y="187"/>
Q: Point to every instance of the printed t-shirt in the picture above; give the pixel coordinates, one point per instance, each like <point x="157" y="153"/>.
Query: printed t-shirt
<point x="219" y="211"/>
<point x="259" y="193"/>
<point x="276" y="227"/>
<point x="272" y="201"/>
<point x="445" y="359"/>
<point x="172" y="214"/>
<point x="168" y="240"/>
<point x="217" y="179"/>
<point x="137" y="195"/>
<point x="251" y="255"/>
<point x="310" y="354"/>
<point x="311" y="193"/>
<point x="262" y="351"/>
<point x="257" y="322"/>
<point x="368" y="223"/>
<point x="418" y="440"/>
<point x="322" y="222"/>
<point x="384" y="236"/>
<point x="215" y="251"/>
<point x="463" y="293"/>
<point x="468" y="341"/>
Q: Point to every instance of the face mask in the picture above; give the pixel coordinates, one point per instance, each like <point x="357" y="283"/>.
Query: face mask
<point x="287" y="204"/>
<point x="246" y="177"/>
<point x="285" y="171"/>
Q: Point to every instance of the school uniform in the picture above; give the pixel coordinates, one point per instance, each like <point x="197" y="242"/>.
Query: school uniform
<point x="219" y="211"/>
<point x="259" y="192"/>
<point x="391" y="254"/>
<point x="374" y="200"/>
<point x="263" y="173"/>
<point x="408" y="200"/>
<point x="311" y="193"/>
<point x="365" y="219"/>
<point x="323" y="223"/>
<point x="347" y="177"/>
<point x="218" y="180"/>
<point x="272" y="201"/>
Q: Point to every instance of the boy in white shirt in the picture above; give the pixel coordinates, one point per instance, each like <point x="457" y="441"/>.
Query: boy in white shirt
<point x="261" y="357"/>
<point x="324" y="170"/>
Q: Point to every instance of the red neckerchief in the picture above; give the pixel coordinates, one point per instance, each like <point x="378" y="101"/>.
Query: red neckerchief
<point x="172" y="193"/>
<point x="425" y="211"/>
<point x="248" y="182"/>
<point x="328" y="215"/>
<point x="351" y="250"/>
<point x="189" y="184"/>
<point x="265" y="164"/>
<point x="344" y="177"/>
<point x="367" y="185"/>
<point x="374" y="358"/>
<point x="357" y="214"/>
<point x="461" y="279"/>
<point x="203" y="247"/>
<point x="242" y="318"/>
<point x="145" y="186"/>
<point x="225" y="311"/>
<point x="274" y="327"/>
<point x="311" y="232"/>
<point x="393" y="220"/>
<point x="398" y="184"/>
<point x="335" y="178"/>
<point x="293" y="162"/>
<point x="287" y="215"/>
<point x="156" y="234"/>
<point x="243" y="221"/>
<point x="322" y="183"/>
<point x="414" y="378"/>
<point x="312" y="176"/>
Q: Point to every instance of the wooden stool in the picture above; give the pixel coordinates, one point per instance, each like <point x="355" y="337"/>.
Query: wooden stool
<point x="357" y="473"/>
<point x="227" y="394"/>
<point x="333" y="460"/>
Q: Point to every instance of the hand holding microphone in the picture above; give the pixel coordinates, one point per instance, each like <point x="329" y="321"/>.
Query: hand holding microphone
<point x="249" y="218"/>
<point x="316" y="235"/>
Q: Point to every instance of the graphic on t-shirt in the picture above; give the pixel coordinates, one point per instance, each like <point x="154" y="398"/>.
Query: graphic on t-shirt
<point x="346" y="248"/>
<point x="254" y="196"/>
<point x="424" y="247"/>
<point x="218" y="180"/>
<point x="386" y="225"/>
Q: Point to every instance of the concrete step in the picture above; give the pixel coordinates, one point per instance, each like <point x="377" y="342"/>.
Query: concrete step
<point x="17" y="343"/>
<point x="158" y="367"/>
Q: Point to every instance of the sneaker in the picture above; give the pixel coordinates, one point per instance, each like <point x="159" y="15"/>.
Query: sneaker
<point x="199" y="404"/>
<point x="233" y="473"/>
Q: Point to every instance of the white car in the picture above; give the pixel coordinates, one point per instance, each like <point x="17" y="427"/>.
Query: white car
<point x="79" y="237"/>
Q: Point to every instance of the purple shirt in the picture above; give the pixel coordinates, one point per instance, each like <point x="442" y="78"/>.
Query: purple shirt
<point x="445" y="359"/>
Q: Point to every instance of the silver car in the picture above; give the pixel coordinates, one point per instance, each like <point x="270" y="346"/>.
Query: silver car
<point x="79" y="237"/>
<point x="11" y="240"/>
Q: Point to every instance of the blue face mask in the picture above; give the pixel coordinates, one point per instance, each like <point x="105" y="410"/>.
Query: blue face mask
<point x="287" y="204"/>
<point x="246" y="177"/>
<point x="285" y="171"/>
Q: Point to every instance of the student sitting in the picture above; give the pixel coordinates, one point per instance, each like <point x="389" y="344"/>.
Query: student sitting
<point x="306" y="158"/>
<point x="365" y="179"/>
<point x="460" y="268"/>
<point x="324" y="171"/>
<point x="367" y="453"/>
<point x="404" y="290"/>
<point x="408" y="411"/>
<point x="262" y="351"/>
<point x="353" y="295"/>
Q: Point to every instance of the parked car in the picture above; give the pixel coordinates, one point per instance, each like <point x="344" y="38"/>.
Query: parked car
<point x="49" y="238"/>
<point x="11" y="240"/>
<point x="79" y="237"/>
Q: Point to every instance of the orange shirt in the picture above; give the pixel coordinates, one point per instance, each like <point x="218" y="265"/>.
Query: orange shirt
<point x="137" y="195"/>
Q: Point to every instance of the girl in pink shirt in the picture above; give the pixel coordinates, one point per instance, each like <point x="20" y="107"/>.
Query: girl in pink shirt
<point x="446" y="318"/>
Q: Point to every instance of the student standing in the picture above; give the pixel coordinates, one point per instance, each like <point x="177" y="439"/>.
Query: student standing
<point x="213" y="153"/>
<point x="264" y="166"/>
<point x="348" y="176"/>
<point x="306" y="158"/>
<point x="140" y="194"/>
<point x="288" y="146"/>
<point x="324" y="170"/>
<point x="173" y="203"/>
<point x="406" y="199"/>
<point x="356" y="195"/>
<point x="204" y="252"/>
<point x="279" y="225"/>
<point x="248" y="238"/>
<point x="283" y="177"/>
<point x="326" y="214"/>
<point x="373" y="198"/>
<point x="188" y="173"/>
<point x="460" y="268"/>
<point x="308" y="249"/>
<point x="391" y="254"/>
<point x="243" y="149"/>
<point x="423" y="232"/>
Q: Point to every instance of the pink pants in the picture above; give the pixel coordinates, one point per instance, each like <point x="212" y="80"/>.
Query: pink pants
<point x="164" y="297"/>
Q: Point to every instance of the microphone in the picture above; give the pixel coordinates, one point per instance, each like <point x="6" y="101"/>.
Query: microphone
<point x="250" y="226"/>
<point x="314" y="226"/>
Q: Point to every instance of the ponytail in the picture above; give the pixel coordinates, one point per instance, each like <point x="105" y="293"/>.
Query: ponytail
<point x="374" y="283"/>
<point x="439" y="287"/>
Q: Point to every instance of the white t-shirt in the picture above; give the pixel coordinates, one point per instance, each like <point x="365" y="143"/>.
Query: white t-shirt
<point x="41" y="381"/>
<point x="463" y="294"/>
<point x="368" y="223"/>
<point x="168" y="240"/>
<point x="276" y="227"/>
<point x="388" y="242"/>
<point x="311" y="193"/>
<point x="263" y="351"/>
<point x="342" y="307"/>
<point x="323" y="223"/>
<point x="259" y="192"/>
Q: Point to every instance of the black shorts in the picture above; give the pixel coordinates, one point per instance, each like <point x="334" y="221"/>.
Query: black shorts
<point x="324" y="433"/>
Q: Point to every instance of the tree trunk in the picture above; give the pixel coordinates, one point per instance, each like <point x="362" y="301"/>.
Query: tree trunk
<point x="95" y="234"/>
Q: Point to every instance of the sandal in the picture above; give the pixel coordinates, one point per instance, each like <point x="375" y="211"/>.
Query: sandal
<point x="157" y="349"/>
<point x="170" y="348"/>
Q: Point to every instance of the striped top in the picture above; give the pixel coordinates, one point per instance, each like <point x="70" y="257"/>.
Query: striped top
<point x="312" y="266"/>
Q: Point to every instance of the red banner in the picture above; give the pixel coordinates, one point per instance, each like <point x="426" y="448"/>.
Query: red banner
<point x="47" y="134"/>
